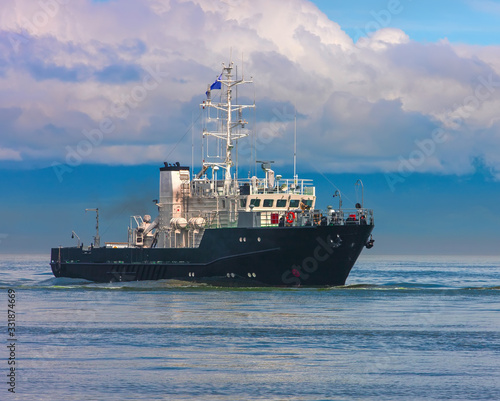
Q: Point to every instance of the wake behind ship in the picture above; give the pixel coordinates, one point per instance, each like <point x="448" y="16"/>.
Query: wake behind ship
<point x="228" y="231"/>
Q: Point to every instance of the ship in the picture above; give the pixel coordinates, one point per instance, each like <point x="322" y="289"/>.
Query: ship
<point x="216" y="228"/>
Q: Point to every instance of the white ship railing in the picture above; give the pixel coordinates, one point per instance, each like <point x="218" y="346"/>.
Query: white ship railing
<point x="281" y="186"/>
<point x="296" y="218"/>
<point x="205" y="187"/>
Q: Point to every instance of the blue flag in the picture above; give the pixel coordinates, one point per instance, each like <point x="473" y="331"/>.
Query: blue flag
<point x="217" y="84"/>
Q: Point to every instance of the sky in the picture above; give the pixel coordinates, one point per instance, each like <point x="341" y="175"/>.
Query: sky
<point x="96" y="95"/>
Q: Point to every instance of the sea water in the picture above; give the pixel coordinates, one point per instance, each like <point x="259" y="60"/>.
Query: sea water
<point x="404" y="328"/>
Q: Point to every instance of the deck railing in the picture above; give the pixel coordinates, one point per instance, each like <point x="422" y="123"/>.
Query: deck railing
<point x="298" y="218"/>
<point x="281" y="186"/>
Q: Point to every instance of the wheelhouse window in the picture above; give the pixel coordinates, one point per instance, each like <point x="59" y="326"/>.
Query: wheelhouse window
<point x="243" y="202"/>
<point x="294" y="203"/>
<point x="308" y="202"/>
<point x="255" y="202"/>
<point x="281" y="203"/>
<point x="268" y="202"/>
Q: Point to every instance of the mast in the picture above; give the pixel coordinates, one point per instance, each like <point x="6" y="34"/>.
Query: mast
<point x="229" y="129"/>
<point x="229" y="143"/>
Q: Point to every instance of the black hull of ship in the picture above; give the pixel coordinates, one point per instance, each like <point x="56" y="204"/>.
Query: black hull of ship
<point x="278" y="256"/>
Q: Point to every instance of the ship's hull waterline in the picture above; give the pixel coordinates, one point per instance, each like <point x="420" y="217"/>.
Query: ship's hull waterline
<point x="278" y="256"/>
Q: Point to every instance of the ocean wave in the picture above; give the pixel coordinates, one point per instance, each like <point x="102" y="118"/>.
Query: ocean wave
<point x="160" y="285"/>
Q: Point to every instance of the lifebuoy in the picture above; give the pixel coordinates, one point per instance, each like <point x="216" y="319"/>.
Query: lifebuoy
<point x="290" y="217"/>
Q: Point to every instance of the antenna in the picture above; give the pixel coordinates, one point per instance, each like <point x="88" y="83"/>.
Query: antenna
<point x="295" y="147"/>
<point x="265" y="164"/>
<point x="359" y="182"/>
<point x="192" y="144"/>
<point x="97" y="239"/>
<point x="254" y="138"/>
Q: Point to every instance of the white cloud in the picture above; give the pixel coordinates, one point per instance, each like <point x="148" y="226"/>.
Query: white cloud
<point x="9" y="154"/>
<point x="363" y="104"/>
<point x="383" y="38"/>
